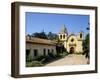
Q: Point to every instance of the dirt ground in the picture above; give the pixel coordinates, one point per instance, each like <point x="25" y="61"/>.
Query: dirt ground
<point x="71" y="59"/>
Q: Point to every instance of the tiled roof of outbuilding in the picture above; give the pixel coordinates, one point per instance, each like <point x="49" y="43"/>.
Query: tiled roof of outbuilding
<point x="39" y="41"/>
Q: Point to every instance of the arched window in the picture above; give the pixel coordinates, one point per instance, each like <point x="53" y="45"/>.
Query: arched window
<point x="64" y="36"/>
<point x="35" y="52"/>
<point x="60" y="36"/>
<point x="44" y="52"/>
<point x="80" y="35"/>
<point x="27" y="53"/>
<point x="72" y="40"/>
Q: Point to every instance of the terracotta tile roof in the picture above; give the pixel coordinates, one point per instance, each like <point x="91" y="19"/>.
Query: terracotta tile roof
<point x="39" y="41"/>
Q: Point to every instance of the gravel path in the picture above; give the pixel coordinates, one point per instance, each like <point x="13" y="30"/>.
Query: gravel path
<point x="72" y="59"/>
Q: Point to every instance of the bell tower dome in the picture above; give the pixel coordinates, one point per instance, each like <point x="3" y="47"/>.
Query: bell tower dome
<point x="64" y="30"/>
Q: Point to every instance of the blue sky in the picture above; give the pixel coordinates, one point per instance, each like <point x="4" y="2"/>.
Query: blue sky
<point x="38" y="22"/>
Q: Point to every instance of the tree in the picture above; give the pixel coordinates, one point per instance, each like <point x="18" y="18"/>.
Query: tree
<point x="87" y="40"/>
<point x="40" y="35"/>
<point x="43" y="35"/>
<point x="86" y="45"/>
<point x="52" y="36"/>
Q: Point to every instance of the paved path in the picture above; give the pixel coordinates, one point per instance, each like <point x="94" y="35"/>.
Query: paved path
<point x="71" y="59"/>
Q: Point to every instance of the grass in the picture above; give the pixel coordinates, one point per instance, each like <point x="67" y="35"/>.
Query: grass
<point x="34" y="64"/>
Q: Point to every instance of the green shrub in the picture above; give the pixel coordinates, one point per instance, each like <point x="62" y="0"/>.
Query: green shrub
<point x="39" y="58"/>
<point x="48" y="59"/>
<point x="63" y="54"/>
<point x="43" y="58"/>
<point x="29" y="59"/>
<point x="34" y="64"/>
<point x="52" y="55"/>
<point x="79" y="53"/>
<point x="58" y="55"/>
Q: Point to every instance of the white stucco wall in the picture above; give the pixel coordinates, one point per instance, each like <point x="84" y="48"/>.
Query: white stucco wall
<point x="79" y="47"/>
<point x="40" y="48"/>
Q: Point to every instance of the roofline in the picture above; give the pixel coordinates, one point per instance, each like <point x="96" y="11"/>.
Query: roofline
<point x="31" y="42"/>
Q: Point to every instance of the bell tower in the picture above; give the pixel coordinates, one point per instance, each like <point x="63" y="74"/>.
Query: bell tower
<point x="63" y="35"/>
<point x="80" y="36"/>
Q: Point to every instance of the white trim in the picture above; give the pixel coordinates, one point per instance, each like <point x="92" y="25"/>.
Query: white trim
<point x="34" y="70"/>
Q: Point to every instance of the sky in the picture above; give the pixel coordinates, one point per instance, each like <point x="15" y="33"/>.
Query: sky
<point x="47" y="22"/>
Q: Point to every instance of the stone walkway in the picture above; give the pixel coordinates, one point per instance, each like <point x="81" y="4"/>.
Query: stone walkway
<point x="71" y="59"/>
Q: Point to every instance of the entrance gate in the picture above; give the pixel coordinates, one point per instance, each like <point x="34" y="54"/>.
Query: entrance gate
<point x="72" y="50"/>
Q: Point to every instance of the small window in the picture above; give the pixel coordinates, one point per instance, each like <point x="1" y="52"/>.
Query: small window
<point x="44" y="52"/>
<point x="27" y="53"/>
<point x="60" y="36"/>
<point x="48" y="51"/>
<point x="63" y="36"/>
<point x="52" y="51"/>
<point x="35" y="52"/>
<point x="80" y="35"/>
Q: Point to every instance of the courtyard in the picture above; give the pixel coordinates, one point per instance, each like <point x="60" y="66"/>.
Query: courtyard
<point x="71" y="59"/>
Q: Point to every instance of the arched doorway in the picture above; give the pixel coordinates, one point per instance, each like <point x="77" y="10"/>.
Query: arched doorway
<point x="72" y="50"/>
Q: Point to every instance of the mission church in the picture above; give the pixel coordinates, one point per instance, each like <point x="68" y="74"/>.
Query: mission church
<point x="72" y="43"/>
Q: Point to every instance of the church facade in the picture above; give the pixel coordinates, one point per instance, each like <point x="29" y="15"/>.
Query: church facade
<point x="72" y="43"/>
